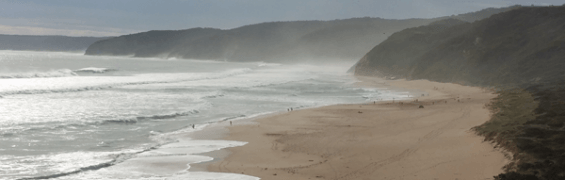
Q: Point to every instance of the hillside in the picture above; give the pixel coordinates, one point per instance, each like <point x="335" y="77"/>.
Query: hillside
<point x="517" y="47"/>
<point x="521" y="53"/>
<point x="46" y="43"/>
<point x="274" y="41"/>
<point x="260" y="42"/>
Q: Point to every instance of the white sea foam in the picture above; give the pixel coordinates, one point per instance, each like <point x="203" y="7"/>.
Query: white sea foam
<point x="47" y="74"/>
<point x="264" y="64"/>
<point x="147" y="109"/>
<point x="130" y="120"/>
<point x="183" y="176"/>
<point x="51" y="164"/>
<point x="101" y="106"/>
<point x="77" y="84"/>
<point x="94" y="70"/>
<point x="170" y="161"/>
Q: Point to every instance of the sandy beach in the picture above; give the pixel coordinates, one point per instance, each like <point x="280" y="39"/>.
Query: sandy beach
<point x="386" y="140"/>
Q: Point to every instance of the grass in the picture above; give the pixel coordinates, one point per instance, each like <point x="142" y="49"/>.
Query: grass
<point x="511" y="109"/>
<point x="529" y="124"/>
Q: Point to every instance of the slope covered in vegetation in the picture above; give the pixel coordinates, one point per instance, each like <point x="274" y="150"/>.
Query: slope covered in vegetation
<point x="521" y="53"/>
<point x="296" y="41"/>
<point x="511" y="48"/>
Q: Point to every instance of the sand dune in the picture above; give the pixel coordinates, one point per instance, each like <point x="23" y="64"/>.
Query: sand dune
<point x="372" y="141"/>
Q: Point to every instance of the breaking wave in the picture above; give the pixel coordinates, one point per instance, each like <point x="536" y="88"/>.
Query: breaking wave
<point x="52" y="73"/>
<point x="264" y="64"/>
<point x="94" y="70"/>
<point x="18" y="130"/>
<point x="116" y="159"/>
<point x="215" y="95"/>
<point x="233" y="117"/>
<point x="133" y="120"/>
<point x="109" y="86"/>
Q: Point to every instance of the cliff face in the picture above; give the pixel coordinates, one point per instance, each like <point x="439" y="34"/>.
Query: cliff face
<point x="517" y="47"/>
<point x="46" y="43"/>
<point x="275" y="41"/>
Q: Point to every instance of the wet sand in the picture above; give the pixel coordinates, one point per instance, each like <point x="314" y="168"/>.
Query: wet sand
<point x="371" y="141"/>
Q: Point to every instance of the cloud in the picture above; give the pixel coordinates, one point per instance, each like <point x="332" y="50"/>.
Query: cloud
<point x="110" y="17"/>
<point x="30" y="30"/>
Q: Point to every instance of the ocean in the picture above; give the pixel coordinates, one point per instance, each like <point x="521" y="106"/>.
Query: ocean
<point x="70" y="116"/>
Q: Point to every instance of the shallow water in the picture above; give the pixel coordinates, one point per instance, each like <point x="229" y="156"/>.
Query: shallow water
<point x="70" y="116"/>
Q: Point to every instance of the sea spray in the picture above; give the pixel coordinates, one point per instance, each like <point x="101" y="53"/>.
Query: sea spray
<point x="116" y="123"/>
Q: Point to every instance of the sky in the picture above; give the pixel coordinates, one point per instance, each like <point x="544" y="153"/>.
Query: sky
<point x="120" y="17"/>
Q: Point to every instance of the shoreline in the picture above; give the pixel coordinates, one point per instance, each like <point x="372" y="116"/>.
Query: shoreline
<point x="220" y="130"/>
<point x="366" y="141"/>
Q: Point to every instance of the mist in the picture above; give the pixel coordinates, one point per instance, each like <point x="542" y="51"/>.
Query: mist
<point x="249" y="89"/>
<point x="47" y="43"/>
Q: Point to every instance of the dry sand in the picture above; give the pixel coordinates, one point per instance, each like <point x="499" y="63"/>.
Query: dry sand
<point x="382" y="141"/>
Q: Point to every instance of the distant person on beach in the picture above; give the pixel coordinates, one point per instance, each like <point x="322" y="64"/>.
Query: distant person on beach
<point x="192" y="126"/>
<point x="230" y="123"/>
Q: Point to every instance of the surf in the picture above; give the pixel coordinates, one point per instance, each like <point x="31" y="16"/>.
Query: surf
<point x="115" y="106"/>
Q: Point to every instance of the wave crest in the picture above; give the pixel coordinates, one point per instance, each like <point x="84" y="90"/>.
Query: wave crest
<point x="113" y="85"/>
<point x="134" y="120"/>
<point x="52" y="73"/>
<point x="94" y="70"/>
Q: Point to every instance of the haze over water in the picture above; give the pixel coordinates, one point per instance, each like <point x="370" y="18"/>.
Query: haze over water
<point x="72" y="116"/>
